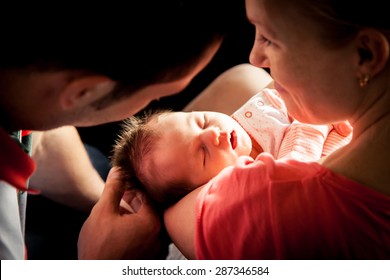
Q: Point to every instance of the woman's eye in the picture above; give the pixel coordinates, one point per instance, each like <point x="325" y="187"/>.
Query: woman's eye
<point x="264" y="40"/>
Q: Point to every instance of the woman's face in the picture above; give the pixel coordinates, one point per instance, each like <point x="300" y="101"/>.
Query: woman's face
<point x="317" y="83"/>
<point x="194" y="147"/>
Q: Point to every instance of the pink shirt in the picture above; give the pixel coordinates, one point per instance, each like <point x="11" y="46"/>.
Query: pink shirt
<point x="286" y="209"/>
<point x="264" y="117"/>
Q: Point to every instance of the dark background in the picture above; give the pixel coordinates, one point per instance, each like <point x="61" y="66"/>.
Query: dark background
<point x="234" y="50"/>
<point x="52" y="229"/>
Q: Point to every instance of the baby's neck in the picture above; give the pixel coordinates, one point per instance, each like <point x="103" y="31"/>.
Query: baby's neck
<point x="256" y="149"/>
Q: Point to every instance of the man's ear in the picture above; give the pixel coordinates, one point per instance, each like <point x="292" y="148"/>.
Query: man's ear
<point x="84" y="90"/>
<point x="373" y="52"/>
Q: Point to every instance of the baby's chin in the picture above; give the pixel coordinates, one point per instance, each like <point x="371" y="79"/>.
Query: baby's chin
<point x="245" y="146"/>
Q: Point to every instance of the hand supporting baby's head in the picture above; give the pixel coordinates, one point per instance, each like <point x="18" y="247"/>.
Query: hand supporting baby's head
<point x="134" y="152"/>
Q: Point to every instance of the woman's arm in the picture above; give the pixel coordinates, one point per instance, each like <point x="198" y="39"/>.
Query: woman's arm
<point x="180" y="220"/>
<point x="231" y="89"/>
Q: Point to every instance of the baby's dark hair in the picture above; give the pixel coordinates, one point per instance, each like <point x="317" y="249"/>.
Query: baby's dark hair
<point x="134" y="146"/>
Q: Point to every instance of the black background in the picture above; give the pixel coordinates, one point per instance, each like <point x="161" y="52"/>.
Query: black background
<point x="234" y="50"/>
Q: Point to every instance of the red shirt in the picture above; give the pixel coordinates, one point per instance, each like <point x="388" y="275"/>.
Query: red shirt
<point x="15" y="165"/>
<point x="267" y="209"/>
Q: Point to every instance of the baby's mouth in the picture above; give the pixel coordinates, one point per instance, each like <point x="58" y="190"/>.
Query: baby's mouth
<point x="233" y="139"/>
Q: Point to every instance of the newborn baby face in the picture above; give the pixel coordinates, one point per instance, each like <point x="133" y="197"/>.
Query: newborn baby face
<point x="196" y="146"/>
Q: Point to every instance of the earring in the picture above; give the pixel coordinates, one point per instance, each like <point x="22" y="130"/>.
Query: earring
<point x="363" y="81"/>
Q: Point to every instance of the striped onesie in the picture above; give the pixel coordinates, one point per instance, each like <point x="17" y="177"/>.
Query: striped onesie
<point x="264" y="117"/>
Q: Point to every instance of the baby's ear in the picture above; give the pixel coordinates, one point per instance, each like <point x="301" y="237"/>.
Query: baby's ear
<point x="373" y="52"/>
<point x="85" y="90"/>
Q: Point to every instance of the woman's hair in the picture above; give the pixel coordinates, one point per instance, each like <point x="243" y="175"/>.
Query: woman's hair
<point x="133" y="148"/>
<point x="135" y="43"/>
<point x="340" y="20"/>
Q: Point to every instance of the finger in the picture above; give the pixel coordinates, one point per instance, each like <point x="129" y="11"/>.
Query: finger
<point x="113" y="191"/>
<point x="130" y="201"/>
<point x="125" y="208"/>
<point x="343" y="128"/>
<point x="146" y="211"/>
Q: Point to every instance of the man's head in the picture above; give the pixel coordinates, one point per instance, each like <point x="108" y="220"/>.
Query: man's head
<point x="172" y="153"/>
<point x="80" y="62"/>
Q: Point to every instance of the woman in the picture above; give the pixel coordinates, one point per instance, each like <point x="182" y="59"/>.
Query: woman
<point x="330" y="62"/>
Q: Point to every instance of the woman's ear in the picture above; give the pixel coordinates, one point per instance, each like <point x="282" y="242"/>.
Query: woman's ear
<point x="83" y="91"/>
<point x="373" y="52"/>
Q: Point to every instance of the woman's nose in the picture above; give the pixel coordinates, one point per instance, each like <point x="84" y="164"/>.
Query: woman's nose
<point x="257" y="57"/>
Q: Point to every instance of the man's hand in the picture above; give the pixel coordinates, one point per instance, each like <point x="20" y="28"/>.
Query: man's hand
<point x="111" y="232"/>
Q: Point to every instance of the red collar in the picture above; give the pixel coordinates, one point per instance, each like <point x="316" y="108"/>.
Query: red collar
<point x="15" y="165"/>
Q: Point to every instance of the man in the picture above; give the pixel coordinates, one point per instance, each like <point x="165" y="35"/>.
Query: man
<point x="87" y="67"/>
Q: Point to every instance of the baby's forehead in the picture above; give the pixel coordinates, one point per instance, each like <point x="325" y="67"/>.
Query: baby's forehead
<point x="170" y="119"/>
<point x="174" y="115"/>
<point x="172" y="131"/>
<point x="155" y="121"/>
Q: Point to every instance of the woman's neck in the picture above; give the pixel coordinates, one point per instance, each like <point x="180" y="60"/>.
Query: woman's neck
<point x="366" y="158"/>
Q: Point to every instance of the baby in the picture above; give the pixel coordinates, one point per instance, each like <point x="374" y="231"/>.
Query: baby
<point x="171" y="153"/>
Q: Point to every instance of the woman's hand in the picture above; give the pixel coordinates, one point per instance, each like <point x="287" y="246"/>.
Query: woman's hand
<point x="343" y="128"/>
<point x="111" y="232"/>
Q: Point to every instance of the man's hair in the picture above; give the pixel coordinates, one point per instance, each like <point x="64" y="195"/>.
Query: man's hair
<point x="134" y="146"/>
<point x="135" y="43"/>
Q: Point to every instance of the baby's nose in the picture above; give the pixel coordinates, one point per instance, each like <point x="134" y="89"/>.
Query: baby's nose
<point x="223" y="135"/>
<point x="211" y="135"/>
